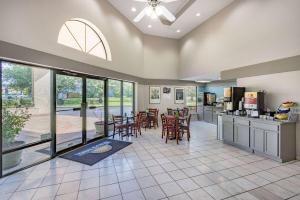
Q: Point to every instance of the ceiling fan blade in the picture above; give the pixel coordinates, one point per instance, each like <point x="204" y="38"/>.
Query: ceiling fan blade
<point x="167" y="1"/>
<point x="166" y="13"/>
<point x="141" y="15"/>
<point x="141" y="0"/>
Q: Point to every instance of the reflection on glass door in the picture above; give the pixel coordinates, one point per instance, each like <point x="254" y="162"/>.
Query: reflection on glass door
<point x="25" y="121"/>
<point x="68" y="111"/>
<point x="128" y="98"/>
<point x="95" y="108"/>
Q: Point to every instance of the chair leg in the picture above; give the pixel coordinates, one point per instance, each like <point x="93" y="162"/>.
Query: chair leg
<point x="167" y="135"/>
<point x="188" y="134"/>
<point x="177" y="134"/>
<point x="114" y="132"/>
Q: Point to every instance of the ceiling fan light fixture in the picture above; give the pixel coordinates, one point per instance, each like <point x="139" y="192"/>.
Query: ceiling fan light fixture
<point x="149" y="11"/>
<point x="158" y="11"/>
<point x="154" y="15"/>
<point x="154" y="10"/>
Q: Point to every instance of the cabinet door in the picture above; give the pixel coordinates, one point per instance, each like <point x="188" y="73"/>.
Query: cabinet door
<point x="271" y="143"/>
<point x="208" y="116"/>
<point x="228" y="131"/>
<point x="200" y="110"/>
<point x="257" y="139"/>
<point x="215" y="118"/>
<point x="241" y="135"/>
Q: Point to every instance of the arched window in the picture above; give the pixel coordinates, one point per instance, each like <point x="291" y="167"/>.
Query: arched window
<point x="82" y="35"/>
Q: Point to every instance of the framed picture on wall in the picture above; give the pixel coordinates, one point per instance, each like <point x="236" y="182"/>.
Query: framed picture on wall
<point x="179" y="95"/>
<point x="154" y="95"/>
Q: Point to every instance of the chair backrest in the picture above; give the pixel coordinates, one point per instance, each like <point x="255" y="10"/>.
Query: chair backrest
<point x="189" y="120"/>
<point x="186" y="111"/>
<point x="170" y="111"/>
<point x="117" y="119"/>
<point x="171" y="121"/>
<point x="181" y="113"/>
<point x="152" y="110"/>
<point x="163" y="118"/>
<point x="143" y="115"/>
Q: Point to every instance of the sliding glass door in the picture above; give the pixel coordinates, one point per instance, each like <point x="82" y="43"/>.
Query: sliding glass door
<point x="25" y="116"/>
<point x="69" y="102"/>
<point x="45" y="112"/>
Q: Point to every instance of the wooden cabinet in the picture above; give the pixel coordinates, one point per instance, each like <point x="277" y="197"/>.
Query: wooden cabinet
<point x="271" y="143"/>
<point x="227" y="129"/>
<point x="257" y="139"/>
<point x="265" y="138"/>
<point x="241" y="135"/>
<point x="200" y="110"/>
<point x="275" y="140"/>
<point x="208" y="114"/>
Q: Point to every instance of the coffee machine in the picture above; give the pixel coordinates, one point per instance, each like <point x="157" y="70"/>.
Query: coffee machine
<point x="232" y="97"/>
<point x="254" y="103"/>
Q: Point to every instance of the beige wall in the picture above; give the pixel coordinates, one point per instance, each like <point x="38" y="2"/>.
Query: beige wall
<point x="245" y="33"/>
<point x="167" y="100"/>
<point x="36" y="24"/>
<point x="279" y="88"/>
<point x="161" y="58"/>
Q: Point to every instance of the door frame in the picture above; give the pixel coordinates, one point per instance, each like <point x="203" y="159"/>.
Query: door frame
<point x="84" y="141"/>
<point x="53" y="72"/>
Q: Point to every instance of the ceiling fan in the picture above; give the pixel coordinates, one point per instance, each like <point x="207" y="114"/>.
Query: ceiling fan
<point x="155" y="10"/>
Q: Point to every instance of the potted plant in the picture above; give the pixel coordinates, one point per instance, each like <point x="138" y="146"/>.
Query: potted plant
<point x="13" y="120"/>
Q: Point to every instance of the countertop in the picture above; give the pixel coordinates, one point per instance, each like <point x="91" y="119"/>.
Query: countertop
<point x="258" y="119"/>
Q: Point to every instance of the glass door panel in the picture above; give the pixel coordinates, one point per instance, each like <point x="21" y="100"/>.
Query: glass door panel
<point x="25" y="115"/>
<point x="127" y="98"/>
<point x="114" y="102"/>
<point x="95" y="108"/>
<point x="68" y="111"/>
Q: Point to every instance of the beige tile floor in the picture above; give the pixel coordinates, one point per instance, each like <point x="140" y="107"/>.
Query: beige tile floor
<point x="150" y="169"/>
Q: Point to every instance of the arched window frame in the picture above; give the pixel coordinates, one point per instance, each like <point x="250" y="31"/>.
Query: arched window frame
<point x="95" y="29"/>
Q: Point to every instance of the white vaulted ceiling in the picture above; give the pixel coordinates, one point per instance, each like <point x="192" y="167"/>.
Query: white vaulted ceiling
<point x="184" y="10"/>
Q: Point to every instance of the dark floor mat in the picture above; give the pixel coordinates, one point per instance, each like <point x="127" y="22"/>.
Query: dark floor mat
<point x="92" y="153"/>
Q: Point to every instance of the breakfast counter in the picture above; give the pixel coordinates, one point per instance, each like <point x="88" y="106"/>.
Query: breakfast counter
<point x="270" y="138"/>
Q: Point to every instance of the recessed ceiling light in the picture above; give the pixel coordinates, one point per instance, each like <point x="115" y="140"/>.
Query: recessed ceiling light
<point x="133" y="9"/>
<point x="203" y="81"/>
<point x="178" y="31"/>
<point x="149" y="26"/>
<point x="198" y="14"/>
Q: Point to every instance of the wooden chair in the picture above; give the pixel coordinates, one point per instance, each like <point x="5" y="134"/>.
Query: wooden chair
<point x="133" y="124"/>
<point x="119" y="125"/>
<point x="185" y="111"/>
<point x="172" y="128"/>
<point x="153" y="117"/>
<point x="163" y="124"/>
<point x="186" y="127"/>
<point x="144" y="122"/>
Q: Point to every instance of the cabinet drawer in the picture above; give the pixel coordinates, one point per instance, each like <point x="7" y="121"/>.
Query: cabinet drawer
<point x="269" y="127"/>
<point x="227" y="119"/>
<point x="208" y="108"/>
<point x="242" y="122"/>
